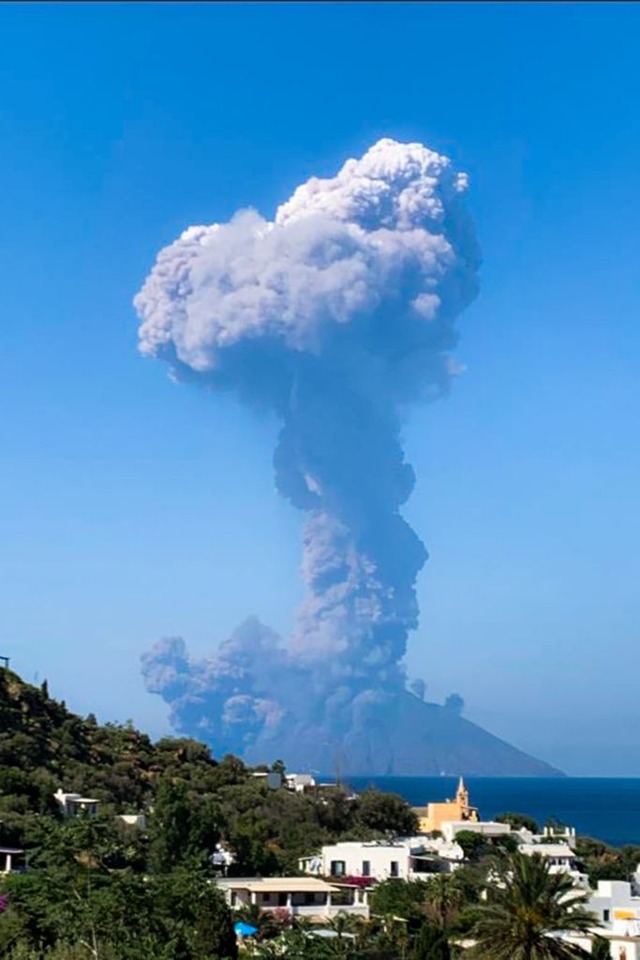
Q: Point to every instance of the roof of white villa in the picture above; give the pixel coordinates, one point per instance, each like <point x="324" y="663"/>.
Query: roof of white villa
<point x="277" y="884"/>
<point x="547" y="849"/>
<point x="74" y="798"/>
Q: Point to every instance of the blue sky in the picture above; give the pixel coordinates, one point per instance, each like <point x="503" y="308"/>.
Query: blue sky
<point x="133" y="508"/>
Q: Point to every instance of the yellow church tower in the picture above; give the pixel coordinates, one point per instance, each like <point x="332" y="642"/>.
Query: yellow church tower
<point x="432" y="817"/>
<point x="462" y="798"/>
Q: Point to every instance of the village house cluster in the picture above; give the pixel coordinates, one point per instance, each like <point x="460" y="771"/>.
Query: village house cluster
<point x="339" y="877"/>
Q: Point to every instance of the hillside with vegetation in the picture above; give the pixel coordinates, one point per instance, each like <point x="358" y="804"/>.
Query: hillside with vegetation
<point x="45" y="747"/>
<point x="99" y="886"/>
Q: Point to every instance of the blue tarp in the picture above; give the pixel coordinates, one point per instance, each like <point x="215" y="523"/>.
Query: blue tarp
<point x="244" y="929"/>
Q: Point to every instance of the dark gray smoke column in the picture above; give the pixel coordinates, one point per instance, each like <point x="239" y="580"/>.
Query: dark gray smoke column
<point x="336" y="315"/>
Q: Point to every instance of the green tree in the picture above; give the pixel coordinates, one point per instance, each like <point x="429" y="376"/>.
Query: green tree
<point x="399" y="898"/>
<point x="385" y="813"/>
<point x="472" y="843"/>
<point x="445" y="898"/>
<point x="602" y="862"/>
<point x="430" y="944"/>
<point x="249" y="839"/>
<point x="336" y="812"/>
<point x="184" y="827"/>
<point x="116" y="915"/>
<point x="518" y="820"/>
<point x="278" y="767"/>
<point x="214" y="935"/>
<point x="504" y="845"/>
<point x="526" y="906"/>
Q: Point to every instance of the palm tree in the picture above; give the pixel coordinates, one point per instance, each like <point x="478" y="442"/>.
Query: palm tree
<point x="525" y="910"/>
<point x="444" y="900"/>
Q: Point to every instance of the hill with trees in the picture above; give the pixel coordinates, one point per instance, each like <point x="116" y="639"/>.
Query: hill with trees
<point x="100" y="887"/>
<point x="192" y="800"/>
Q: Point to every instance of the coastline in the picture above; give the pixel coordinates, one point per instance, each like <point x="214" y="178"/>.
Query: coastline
<point x="604" y="807"/>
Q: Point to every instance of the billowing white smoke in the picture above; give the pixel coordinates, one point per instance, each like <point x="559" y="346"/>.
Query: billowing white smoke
<point x="335" y="315"/>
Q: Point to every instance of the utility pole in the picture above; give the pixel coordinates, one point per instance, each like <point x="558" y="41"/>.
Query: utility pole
<point x="4" y="662"/>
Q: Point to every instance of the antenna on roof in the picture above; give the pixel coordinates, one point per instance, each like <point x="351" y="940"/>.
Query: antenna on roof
<point x="338" y="767"/>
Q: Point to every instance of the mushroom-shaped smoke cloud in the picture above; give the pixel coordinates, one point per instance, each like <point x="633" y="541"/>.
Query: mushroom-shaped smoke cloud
<point x="335" y="315"/>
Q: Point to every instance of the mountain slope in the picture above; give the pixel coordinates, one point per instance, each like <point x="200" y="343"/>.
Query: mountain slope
<point x="44" y="746"/>
<point x="413" y="739"/>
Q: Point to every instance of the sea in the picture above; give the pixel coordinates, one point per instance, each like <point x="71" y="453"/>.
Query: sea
<point x="605" y="808"/>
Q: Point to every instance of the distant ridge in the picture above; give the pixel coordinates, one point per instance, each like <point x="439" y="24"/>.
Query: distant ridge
<point x="414" y="738"/>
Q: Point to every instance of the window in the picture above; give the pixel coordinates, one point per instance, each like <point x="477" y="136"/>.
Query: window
<point x="395" y="868"/>
<point x="606" y="915"/>
<point x="338" y="868"/>
<point x="366" y="868"/>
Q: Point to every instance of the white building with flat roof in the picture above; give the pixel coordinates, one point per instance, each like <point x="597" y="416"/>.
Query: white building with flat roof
<point x="308" y="897"/>
<point x="560" y="857"/>
<point x="616" y="904"/>
<point x="299" y="782"/>
<point x="73" y="804"/>
<point x="485" y="828"/>
<point x="407" y="858"/>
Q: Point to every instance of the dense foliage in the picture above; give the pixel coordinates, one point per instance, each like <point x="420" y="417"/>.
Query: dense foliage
<point x="602" y="862"/>
<point x="518" y="821"/>
<point x="116" y="914"/>
<point x="192" y="800"/>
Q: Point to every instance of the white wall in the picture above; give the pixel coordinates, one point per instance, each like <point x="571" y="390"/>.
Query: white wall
<point x="612" y="895"/>
<point x="380" y="858"/>
<point x="383" y="861"/>
<point x="487" y="828"/>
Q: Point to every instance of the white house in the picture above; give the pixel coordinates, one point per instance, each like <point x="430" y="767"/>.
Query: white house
<point x="405" y="859"/>
<point x="486" y="828"/>
<point x="299" y="782"/>
<point x="557" y="835"/>
<point x="307" y="897"/>
<point x="621" y="946"/>
<point x="561" y="859"/>
<point x="617" y="906"/>
<point x="73" y="804"/>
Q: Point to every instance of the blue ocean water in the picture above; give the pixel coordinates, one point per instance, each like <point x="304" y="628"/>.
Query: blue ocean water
<point x="606" y="808"/>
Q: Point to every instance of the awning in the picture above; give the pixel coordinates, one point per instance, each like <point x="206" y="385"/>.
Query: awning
<point x="244" y="929"/>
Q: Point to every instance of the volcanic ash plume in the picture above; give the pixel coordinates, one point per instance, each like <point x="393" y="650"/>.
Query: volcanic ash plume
<point x="336" y="315"/>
